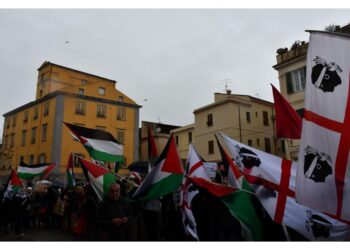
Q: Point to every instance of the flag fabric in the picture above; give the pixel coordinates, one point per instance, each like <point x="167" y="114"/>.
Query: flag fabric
<point x="152" y="148"/>
<point x="29" y="172"/>
<point x="99" y="177"/>
<point x="323" y="177"/>
<point x="237" y="201"/>
<point x="273" y="181"/>
<point x="288" y="122"/>
<point x="14" y="187"/>
<point x="69" y="180"/>
<point x="164" y="177"/>
<point x="194" y="168"/>
<point x="101" y="145"/>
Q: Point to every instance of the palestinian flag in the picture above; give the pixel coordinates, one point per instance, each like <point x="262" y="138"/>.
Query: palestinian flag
<point x="99" y="177"/>
<point x="101" y="145"/>
<point x="69" y="180"/>
<point x="29" y="172"/>
<point x="239" y="204"/>
<point x="14" y="186"/>
<point x="165" y="176"/>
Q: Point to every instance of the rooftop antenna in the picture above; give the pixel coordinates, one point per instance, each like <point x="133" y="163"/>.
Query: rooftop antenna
<point x="226" y="82"/>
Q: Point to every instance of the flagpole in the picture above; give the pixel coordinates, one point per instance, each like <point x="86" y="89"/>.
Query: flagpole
<point x="286" y="232"/>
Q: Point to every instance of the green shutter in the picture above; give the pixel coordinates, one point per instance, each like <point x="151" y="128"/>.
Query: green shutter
<point x="289" y="83"/>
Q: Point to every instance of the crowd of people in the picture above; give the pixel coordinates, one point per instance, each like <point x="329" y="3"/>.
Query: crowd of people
<point x="119" y="218"/>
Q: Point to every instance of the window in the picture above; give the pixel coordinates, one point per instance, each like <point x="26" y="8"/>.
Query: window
<point x="12" y="140"/>
<point x="41" y="93"/>
<point x="42" y="158"/>
<point x="46" y="108"/>
<point x="267" y="145"/>
<point x="36" y="112"/>
<point x="296" y="80"/>
<point x="250" y="142"/>
<point x="189" y="137"/>
<point x="80" y="108"/>
<point x="210" y="120"/>
<point x="25" y="116"/>
<point x="256" y="114"/>
<point x="210" y="147"/>
<point x="266" y="118"/>
<point x="101" y="128"/>
<point x="44" y="132"/>
<point x="121" y="98"/>
<point x="23" y="139"/>
<point x="283" y="146"/>
<point x="6" y="143"/>
<point x="81" y="91"/>
<point x="31" y="159"/>
<point x="258" y="142"/>
<point x="14" y="118"/>
<point x="7" y="122"/>
<point x="247" y="115"/>
<point x="32" y="138"/>
<point x="101" y="111"/>
<point x="41" y="77"/>
<point x="121" y="136"/>
<point x="83" y="82"/>
<point x="177" y="140"/>
<point x="101" y="91"/>
<point x="300" y="112"/>
<point x="21" y="159"/>
<point x="121" y="113"/>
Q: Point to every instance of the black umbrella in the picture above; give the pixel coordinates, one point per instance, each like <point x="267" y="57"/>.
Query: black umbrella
<point x="139" y="166"/>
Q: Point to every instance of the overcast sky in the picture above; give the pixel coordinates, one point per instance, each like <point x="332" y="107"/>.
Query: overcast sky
<point x="175" y="58"/>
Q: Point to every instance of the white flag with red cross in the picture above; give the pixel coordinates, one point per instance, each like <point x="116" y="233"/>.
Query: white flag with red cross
<point x="273" y="181"/>
<point x="323" y="176"/>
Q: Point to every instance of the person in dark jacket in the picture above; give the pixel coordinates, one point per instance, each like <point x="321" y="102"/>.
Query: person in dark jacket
<point x="113" y="215"/>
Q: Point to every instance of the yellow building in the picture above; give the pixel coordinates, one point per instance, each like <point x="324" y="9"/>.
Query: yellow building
<point x="244" y="118"/>
<point x="34" y="132"/>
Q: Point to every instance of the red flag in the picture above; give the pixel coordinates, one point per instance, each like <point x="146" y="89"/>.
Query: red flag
<point x="288" y="122"/>
<point x="152" y="149"/>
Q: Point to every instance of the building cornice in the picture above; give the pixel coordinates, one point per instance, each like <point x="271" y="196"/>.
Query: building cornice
<point x="83" y="97"/>
<point x="47" y="63"/>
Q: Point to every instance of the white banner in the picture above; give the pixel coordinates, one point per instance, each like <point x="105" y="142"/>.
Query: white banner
<point x="321" y="181"/>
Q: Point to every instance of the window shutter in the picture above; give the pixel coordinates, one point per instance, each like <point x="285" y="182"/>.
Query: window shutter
<point x="289" y="83"/>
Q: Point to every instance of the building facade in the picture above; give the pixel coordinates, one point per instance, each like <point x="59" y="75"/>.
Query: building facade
<point x="161" y="135"/>
<point x="244" y="118"/>
<point x="34" y="132"/>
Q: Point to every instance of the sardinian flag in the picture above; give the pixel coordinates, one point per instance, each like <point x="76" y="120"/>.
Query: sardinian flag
<point x="101" y="145"/>
<point x="323" y="175"/>
<point x="273" y="181"/>
<point x="194" y="168"/>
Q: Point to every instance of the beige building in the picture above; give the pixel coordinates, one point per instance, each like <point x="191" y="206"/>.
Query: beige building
<point x="244" y="118"/>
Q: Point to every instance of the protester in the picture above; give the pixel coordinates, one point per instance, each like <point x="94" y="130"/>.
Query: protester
<point x="113" y="215"/>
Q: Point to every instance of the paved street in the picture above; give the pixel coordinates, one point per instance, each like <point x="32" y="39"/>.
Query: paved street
<point x="42" y="234"/>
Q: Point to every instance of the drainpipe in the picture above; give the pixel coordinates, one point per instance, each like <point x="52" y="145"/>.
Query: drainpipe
<point x="239" y="123"/>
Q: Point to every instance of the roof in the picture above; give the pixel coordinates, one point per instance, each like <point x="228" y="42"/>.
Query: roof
<point x="233" y="98"/>
<point x="48" y="63"/>
<point x="190" y="126"/>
